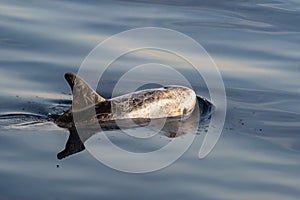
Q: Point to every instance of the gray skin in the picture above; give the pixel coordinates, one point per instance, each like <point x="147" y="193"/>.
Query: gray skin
<point x="139" y="107"/>
<point x="176" y="103"/>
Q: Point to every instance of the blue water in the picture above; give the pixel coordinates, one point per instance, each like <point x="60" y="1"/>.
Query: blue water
<point x="255" y="44"/>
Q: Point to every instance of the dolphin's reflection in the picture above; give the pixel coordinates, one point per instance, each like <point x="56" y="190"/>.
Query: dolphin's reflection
<point x="172" y="127"/>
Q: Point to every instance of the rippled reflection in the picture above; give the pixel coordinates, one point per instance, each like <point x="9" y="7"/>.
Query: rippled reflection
<point x="254" y="43"/>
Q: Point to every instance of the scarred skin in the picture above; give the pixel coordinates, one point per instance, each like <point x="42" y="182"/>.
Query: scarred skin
<point x="165" y="102"/>
<point x="89" y="110"/>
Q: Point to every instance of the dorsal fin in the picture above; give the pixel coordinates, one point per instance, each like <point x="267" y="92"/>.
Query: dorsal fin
<point x="83" y="94"/>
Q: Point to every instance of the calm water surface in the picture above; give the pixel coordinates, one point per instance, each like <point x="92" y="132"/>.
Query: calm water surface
<point x="256" y="47"/>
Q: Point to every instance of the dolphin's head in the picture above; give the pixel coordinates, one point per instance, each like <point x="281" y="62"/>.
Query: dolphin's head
<point x="185" y="97"/>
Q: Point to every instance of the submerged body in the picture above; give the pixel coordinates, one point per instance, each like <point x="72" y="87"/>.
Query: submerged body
<point x="165" y="102"/>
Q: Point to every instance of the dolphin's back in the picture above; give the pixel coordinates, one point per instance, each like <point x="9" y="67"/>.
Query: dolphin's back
<point x="173" y="101"/>
<point x="165" y="102"/>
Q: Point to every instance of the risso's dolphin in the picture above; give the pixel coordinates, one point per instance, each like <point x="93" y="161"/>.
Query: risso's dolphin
<point x="140" y="106"/>
<point x="182" y="109"/>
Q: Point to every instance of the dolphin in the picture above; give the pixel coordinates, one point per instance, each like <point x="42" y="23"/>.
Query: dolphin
<point x="139" y="107"/>
<point x="180" y="105"/>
